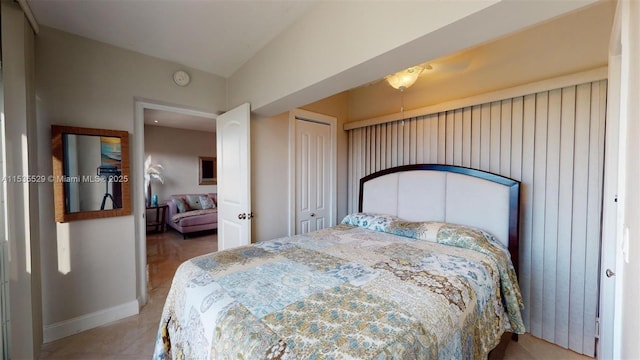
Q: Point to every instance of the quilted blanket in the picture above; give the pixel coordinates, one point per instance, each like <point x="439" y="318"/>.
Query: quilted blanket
<point x="374" y="287"/>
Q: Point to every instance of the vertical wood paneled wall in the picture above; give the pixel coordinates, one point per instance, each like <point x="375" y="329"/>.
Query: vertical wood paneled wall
<point x="551" y="141"/>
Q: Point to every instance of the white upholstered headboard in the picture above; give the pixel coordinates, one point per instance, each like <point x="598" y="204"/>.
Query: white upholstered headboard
<point x="459" y="195"/>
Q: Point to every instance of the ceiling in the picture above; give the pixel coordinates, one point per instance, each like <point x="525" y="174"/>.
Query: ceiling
<point x="171" y="119"/>
<point x="210" y="35"/>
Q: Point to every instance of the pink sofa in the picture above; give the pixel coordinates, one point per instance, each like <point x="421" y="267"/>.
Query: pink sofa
<point x="200" y="220"/>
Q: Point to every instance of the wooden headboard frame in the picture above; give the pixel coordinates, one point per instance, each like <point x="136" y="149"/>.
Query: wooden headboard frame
<point x="512" y="186"/>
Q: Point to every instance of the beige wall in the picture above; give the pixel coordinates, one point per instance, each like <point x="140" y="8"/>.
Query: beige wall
<point x="177" y="150"/>
<point x="269" y="177"/>
<point x="89" y="266"/>
<point x="270" y="167"/>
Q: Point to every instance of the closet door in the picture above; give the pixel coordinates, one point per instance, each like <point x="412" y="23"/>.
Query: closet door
<point x="313" y="176"/>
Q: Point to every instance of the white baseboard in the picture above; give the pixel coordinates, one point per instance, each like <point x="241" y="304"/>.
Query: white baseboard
<point x="85" y="322"/>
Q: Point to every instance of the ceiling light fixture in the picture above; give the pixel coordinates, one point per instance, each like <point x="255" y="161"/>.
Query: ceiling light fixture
<point x="404" y="79"/>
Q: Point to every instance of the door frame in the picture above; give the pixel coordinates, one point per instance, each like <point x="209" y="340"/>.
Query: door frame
<point x="138" y="191"/>
<point x="610" y="297"/>
<point x="304" y="115"/>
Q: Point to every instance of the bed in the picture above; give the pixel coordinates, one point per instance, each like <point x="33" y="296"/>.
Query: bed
<point x="426" y="269"/>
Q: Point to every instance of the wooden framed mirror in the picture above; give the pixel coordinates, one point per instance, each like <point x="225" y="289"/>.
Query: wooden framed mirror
<point x="90" y="173"/>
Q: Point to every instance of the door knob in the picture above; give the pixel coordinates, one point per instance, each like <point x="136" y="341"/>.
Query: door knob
<point x="242" y="216"/>
<point x="250" y="216"/>
<point x="312" y="215"/>
<point x="609" y="273"/>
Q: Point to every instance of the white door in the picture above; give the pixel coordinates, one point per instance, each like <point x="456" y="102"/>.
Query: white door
<point x="234" y="178"/>
<point x="609" y="320"/>
<point x="618" y="288"/>
<point x="313" y="176"/>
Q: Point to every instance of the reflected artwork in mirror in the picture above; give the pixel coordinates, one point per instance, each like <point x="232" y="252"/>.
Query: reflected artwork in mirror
<point x="90" y="173"/>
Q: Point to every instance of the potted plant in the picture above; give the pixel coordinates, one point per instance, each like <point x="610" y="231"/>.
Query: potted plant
<point x="152" y="171"/>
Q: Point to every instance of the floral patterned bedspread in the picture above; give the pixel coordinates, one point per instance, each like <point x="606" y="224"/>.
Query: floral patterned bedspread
<point x="374" y="287"/>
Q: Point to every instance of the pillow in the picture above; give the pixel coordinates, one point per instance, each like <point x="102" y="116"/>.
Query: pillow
<point x="180" y="204"/>
<point x="207" y="203"/>
<point x="371" y="221"/>
<point x="469" y="237"/>
<point x="194" y="202"/>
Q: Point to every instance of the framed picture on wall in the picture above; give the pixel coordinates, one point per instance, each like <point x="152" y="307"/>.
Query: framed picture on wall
<point x="207" y="171"/>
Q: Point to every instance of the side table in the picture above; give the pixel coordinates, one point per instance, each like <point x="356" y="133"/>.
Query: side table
<point x="158" y="223"/>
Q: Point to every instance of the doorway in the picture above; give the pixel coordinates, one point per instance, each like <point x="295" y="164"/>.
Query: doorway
<point x="138" y="194"/>
<point x="312" y="169"/>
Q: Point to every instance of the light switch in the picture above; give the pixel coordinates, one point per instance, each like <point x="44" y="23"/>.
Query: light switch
<point x="625" y="244"/>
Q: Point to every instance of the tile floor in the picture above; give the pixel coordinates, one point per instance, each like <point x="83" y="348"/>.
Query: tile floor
<point x="134" y="337"/>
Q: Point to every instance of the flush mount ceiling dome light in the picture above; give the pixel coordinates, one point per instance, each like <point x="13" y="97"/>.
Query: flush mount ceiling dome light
<point x="405" y="78"/>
